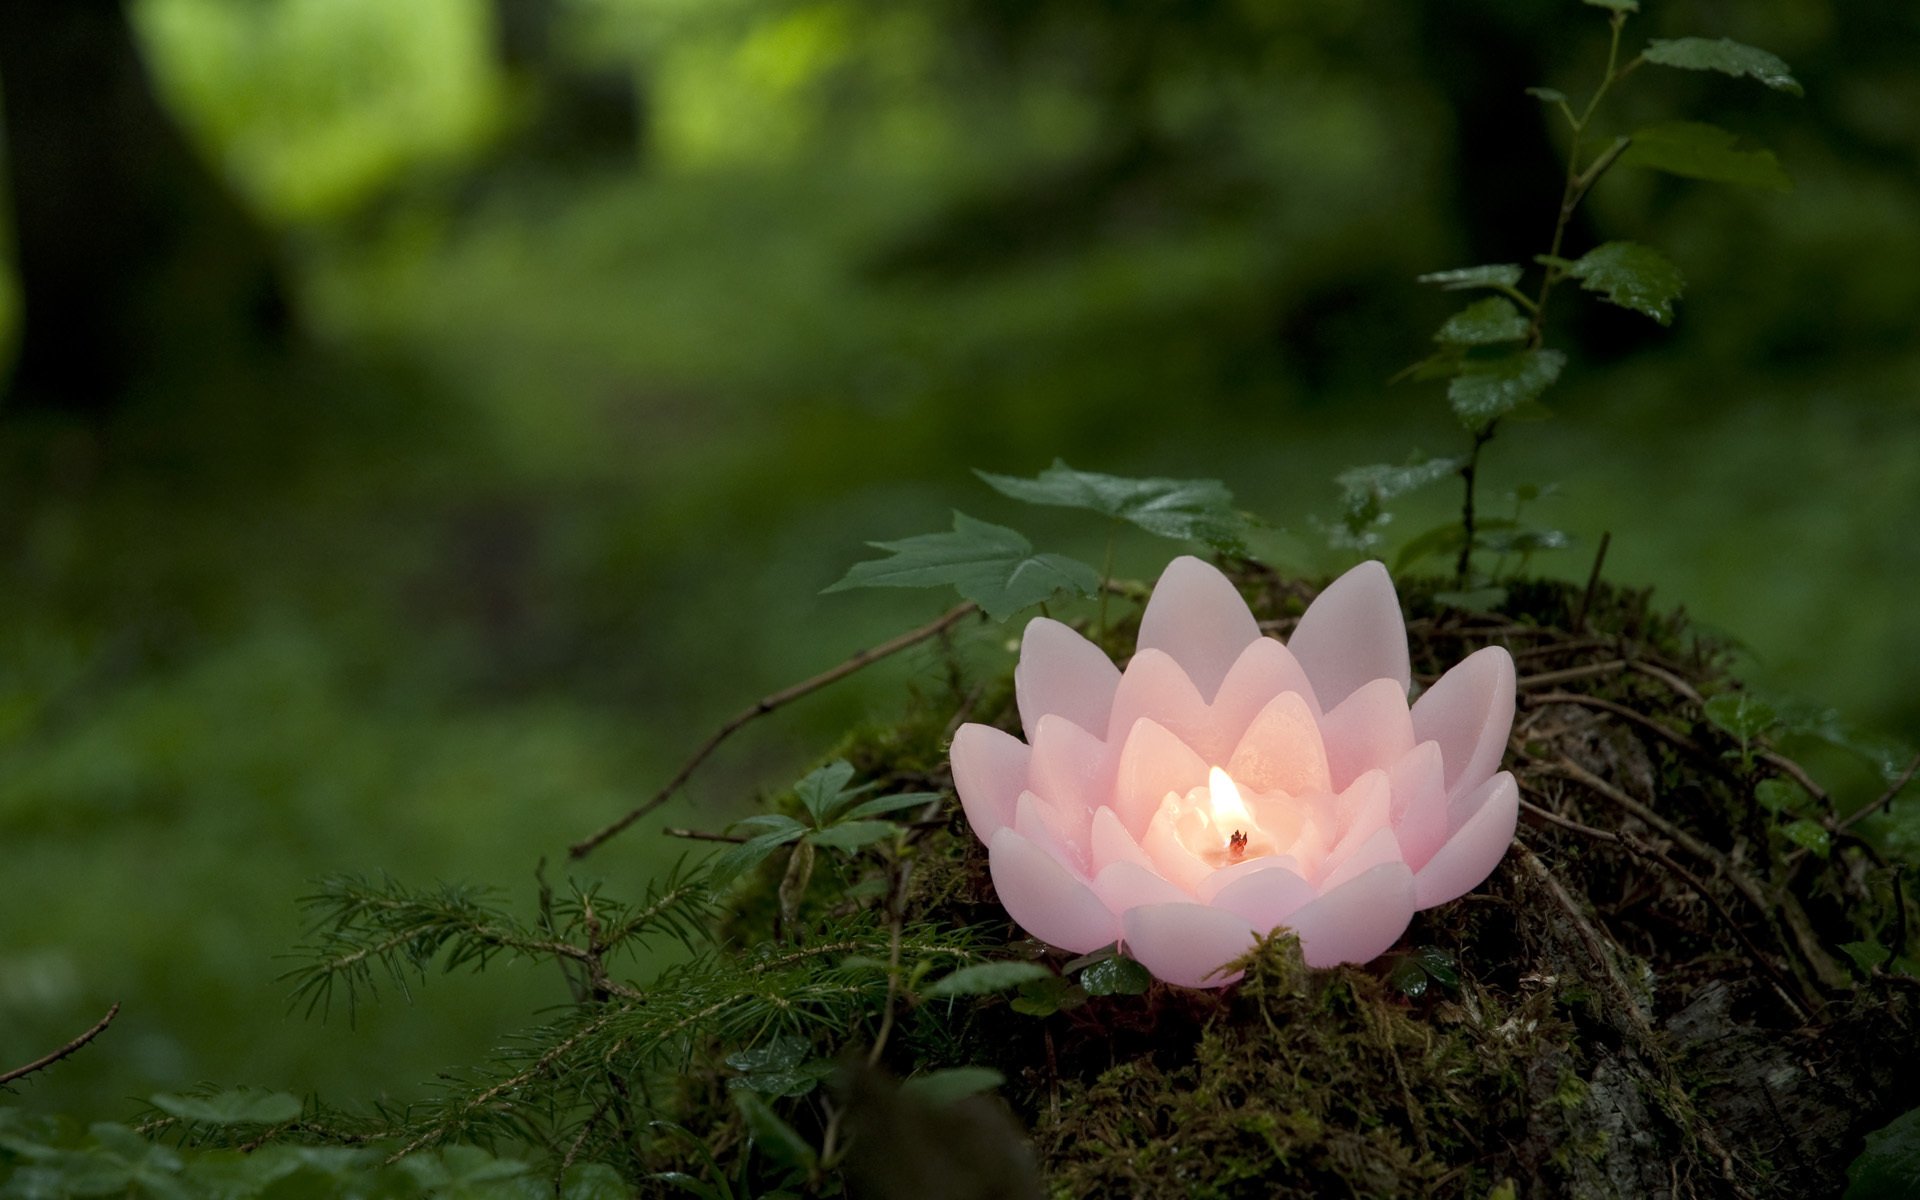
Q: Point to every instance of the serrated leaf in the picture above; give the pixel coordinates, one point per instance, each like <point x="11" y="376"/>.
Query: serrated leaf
<point x="1548" y="95"/>
<point x="1779" y="795"/>
<point x="1493" y="275"/>
<point x="1725" y="56"/>
<point x="1367" y="488"/>
<point x="1116" y="976"/>
<point x="824" y="789"/>
<point x="984" y="979"/>
<point x="991" y="565"/>
<point x="881" y="805"/>
<point x="1624" y="6"/>
<point x="939" y="1089"/>
<point x="1741" y="714"/>
<point x="240" y="1106"/>
<point x="775" y="1138"/>
<point x="1632" y="276"/>
<point x="1809" y="834"/>
<point x="1700" y="151"/>
<point x="1887" y="1168"/>
<point x="1488" y="389"/>
<point x="1866" y="955"/>
<point x="851" y="835"/>
<point x="1484" y="323"/>
<point x="1198" y="510"/>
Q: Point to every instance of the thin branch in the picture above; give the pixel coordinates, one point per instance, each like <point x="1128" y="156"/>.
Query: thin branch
<point x="72" y="1047"/>
<point x="767" y="704"/>
<point x="1593" y="581"/>
<point x="702" y="835"/>
<point x="1570" y="674"/>
<point x="1887" y="797"/>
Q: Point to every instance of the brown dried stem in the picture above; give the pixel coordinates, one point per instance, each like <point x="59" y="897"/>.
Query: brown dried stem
<point x="72" y="1047"/>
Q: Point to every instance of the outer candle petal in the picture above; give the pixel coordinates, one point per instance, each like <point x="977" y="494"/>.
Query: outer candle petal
<point x="1371" y="728"/>
<point x="1044" y="899"/>
<point x="1357" y="921"/>
<point x="1062" y="833"/>
<point x="1352" y="634"/>
<point x="1070" y="767"/>
<point x="1472" y="853"/>
<point x="1469" y="712"/>
<point x="989" y="772"/>
<point x="1265" y="897"/>
<point x="1217" y="882"/>
<point x="1063" y="673"/>
<point x="1125" y="885"/>
<point x="1157" y="688"/>
<point x="1196" y="615"/>
<point x="1153" y="762"/>
<point x="1358" y="856"/>
<point x="1187" y="944"/>
<point x="1281" y="751"/>
<point x="1419" y="815"/>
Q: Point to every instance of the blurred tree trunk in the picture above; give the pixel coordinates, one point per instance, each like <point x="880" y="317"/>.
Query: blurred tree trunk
<point x="132" y="255"/>
<point x="581" y="114"/>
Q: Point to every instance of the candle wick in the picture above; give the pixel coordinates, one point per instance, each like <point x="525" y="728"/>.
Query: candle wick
<point x="1237" y="844"/>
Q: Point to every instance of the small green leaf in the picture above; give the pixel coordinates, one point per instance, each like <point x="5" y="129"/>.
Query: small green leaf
<point x="1115" y="976"/>
<point x="941" y="1089"/>
<point x="1547" y="95"/>
<point x="1810" y="834"/>
<point x="729" y="864"/>
<point x="593" y="1181"/>
<point x="1408" y="978"/>
<point x="769" y="823"/>
<point x="1199" y="510"/>
<point x="881" y="805"/>
<point x="1488" y="389"/>
<point x="1365" y="489"/>
<point x="1621" y="6"/>
<point x="984" y="979"/>
<point x="1484" y="323"/>
<point x="1044" y="997"/>
<point x="240" y="1106"/>
<point x="776" y="1139"/>
<point x="1740" y="714"/>
<point x="825" y="789"/>
<point x="991" y="565"/>
<point x="1779" y="795"/>
<point x="1866" y="955"/>
<point x="1888" y="1167"/>
<point x="851" y="835"/>
<point x="1700" y="151"/>
<point x="1632" y="276"/>
<point x="1493" y="275"/>
<point x="1725" y="56"/>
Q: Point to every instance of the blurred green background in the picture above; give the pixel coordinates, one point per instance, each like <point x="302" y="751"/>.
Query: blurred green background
<point x="463" y="403"/>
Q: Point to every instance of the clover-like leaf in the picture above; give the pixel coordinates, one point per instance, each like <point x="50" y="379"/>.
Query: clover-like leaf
<point x="1117" y="975"/>
<point x="1488" y="389"/>
<point x="1632" y="276"/>
<point x="1725" y="56"/>
<point x="984" y="979"/>
<point x="1700" y="151"/>
<point x="1484" y="323"/>
<point x="991" y="565"/>
<point x="1493" y="275"/>
<point x="1198" y="510"/>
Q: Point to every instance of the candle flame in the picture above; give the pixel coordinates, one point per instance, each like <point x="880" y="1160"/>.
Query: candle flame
<point x="1229" y="810"/>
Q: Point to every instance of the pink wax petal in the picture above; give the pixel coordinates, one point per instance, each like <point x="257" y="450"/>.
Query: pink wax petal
<point x="1357" y="921"/>
<point x="1356" y="857"/>
<point x="1170" y="856"/>
<point x="1282" y="751"/>
<point x="1265" y="897"/>
<point x="1044" y="899"/>
<point x="1153" y="762"/>
<point x="1196" y="615"/>
<point x="989" y="772"/>
<point x="1126" y="885"/>
<point x="1419" y="815"/>
<point x="1472" y="853"/>
<point x="1186" y="944"/>
<point x="1365" y="806"/>
<point x="1263" y="671"/>
<point x="1112" y="843"/>
<point x="1069" y="766"/>
<point x="1155" y="687"/>
<point x="1352" y="634"/>
<point x="1469" y="712"/>
<point x="1371" y="728"/>
<point x="1063" y="673"/>
<point x="1211" y="886"/>
<point x="1064" y="833"/>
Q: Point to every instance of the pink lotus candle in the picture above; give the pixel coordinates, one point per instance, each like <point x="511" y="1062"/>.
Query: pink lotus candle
<point x="1225" y="785"/>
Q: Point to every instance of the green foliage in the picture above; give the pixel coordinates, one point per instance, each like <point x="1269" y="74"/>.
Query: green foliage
<point x="783" y="1066"/>
<point x="1198" y="510"/>
<point x="838" y="820"/>
<point x="1698" y="150"/>
<point x="238" y="1106"/>
<point x="1484" y="323"/>
<point x="1498" y="276"/>
<point x="1619" y="6"/>
<point x="1487" y="389"/>
<point x="991" y="565"/>
<point x="1366" y="491"/>
<point x="984" y="979"/>
<point x="1115" y="975"/>
<point x="940" y="1089"/>
<point x="1889" y="1167"/>
<point x="1631" y="276"/>
<point x="1726" y="56"/>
